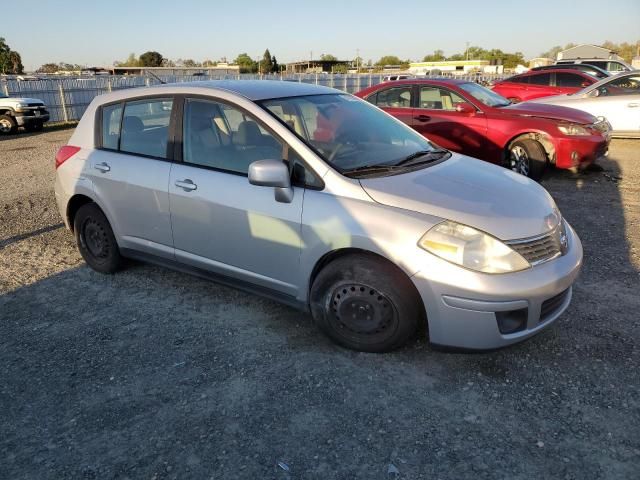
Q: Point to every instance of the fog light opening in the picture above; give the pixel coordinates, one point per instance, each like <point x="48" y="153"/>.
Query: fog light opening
<point x="574" y="157"/>
<point x="512" y="321"/>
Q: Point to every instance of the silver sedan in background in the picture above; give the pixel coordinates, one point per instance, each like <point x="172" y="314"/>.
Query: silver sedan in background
<point x="615" y="98"/>
<point x="322" y="201"/>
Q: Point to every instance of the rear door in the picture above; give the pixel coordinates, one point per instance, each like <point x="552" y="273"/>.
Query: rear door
<point x="437" y="119"/>
<point x="539" y="86"/>
<point x="130" y="170"/>
<point x="567" y="82"/>
<point x="619" y="102"/>
<point x="220" y="221"/>
<point x="397" y="101"/>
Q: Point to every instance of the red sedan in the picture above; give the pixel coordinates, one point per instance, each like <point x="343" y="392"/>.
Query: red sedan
<point x="468" y="118"/>
<point x="544" y="83"/>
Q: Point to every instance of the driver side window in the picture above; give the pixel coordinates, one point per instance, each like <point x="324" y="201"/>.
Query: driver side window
<point x="438" y="99"/>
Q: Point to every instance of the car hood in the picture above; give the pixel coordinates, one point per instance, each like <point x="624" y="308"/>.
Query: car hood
<point x="475" y="193"/>
<point x="14" y="100"/>
<point x="553" y="112"/>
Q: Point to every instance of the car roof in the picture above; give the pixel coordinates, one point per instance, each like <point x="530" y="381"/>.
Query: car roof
<point x="433" y="81"/>
<point x="254" y="90"/>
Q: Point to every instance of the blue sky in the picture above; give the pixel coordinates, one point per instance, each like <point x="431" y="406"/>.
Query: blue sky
<point x="97" y="33"/>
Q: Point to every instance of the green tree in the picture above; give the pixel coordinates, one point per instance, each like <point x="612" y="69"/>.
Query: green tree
<point x="275" y="68"/>
<point x="327" y="57"/>
<point x="339" y="68"/>
<point x="389" y="60"/>
<point x="266" y="64"/>
<point x="246" y="63"/>
<point x="190" y="63"/>
<point x="48" y="68"/>
<point x="131" y="61"/>
<point x="10" y="60"/>
<point x="436" y="56"/>
<point x="209" y="63"/>
<point x="151" y="59"/>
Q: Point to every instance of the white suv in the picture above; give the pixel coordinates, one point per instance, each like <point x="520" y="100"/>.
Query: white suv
<point x="30" y="113"/>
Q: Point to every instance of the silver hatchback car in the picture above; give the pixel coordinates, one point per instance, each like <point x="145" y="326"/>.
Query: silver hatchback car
<point x="322" y="201"/>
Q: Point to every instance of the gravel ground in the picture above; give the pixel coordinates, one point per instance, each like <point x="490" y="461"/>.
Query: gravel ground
<point x="155" y="374"/>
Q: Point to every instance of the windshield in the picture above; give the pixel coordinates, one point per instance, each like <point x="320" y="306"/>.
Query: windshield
<point x="484" y="95"/>
<point x="349" y="133"/>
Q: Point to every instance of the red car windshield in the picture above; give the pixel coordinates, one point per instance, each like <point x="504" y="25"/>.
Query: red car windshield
<point x="484" y="95"/>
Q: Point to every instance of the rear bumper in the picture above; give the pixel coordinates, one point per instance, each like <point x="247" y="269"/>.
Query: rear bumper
<point x="465" y="308"/>
<point x="574" y="152"/>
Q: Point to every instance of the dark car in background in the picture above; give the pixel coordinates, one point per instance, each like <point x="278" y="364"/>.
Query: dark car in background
<point x="592" y="70"/>
<point x="468" y="118"/>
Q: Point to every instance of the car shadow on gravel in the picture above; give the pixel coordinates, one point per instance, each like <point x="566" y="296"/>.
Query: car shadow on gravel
<point x="24" y="236"/>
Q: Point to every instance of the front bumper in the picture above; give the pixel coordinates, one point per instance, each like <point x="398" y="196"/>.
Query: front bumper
<point x="463" y="306"/>
<point x="30" y="116"/>
<point x="580" y="151"/>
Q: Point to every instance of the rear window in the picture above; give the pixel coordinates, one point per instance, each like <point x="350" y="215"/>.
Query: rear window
<point x="142" y="129"/>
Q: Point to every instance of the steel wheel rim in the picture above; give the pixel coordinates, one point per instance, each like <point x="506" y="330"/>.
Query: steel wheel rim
<point x="94" y="239"/>
<point x="5" y="126"/>
<point x="520" y="160"/>
<point x="360" y="312"/>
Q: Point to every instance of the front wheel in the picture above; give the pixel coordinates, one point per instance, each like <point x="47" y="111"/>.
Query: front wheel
<point x="96" y="241"/>
<point x="7" y="124"/>
<point x="528" y="158"/>
<point x="365" y="304"/>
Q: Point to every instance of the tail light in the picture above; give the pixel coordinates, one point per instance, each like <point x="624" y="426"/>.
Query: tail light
<point x="65" y="153"/>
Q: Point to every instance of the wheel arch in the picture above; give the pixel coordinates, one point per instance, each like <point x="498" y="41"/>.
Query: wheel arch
<point x="74" y="204"/>
<point x="542" y="138"/>
<point x="336" y="254"/>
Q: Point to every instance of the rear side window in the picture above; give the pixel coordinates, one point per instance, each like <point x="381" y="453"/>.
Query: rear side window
<point x="394" y="98"/>
<point x="602" y="65"/>
<point x="145" y="127"/>
<point x="523" y="79"/>
<point x="540" y="79"/>
<point x="569" y="80"/>
<point x="111" y="118"/>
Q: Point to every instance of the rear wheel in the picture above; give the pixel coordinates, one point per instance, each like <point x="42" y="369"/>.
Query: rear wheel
<point x="365" y="304"/>
<point x="7" y="124"/>
<point x="95" y="239"/>
<point x="528" y="158"/>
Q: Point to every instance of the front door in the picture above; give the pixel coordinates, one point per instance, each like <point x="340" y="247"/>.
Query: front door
<point x="438" y="120"/>
<point x="221" y="222"/>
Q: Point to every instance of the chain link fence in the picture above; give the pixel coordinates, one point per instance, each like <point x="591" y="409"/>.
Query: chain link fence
<point x="68" y="98"/>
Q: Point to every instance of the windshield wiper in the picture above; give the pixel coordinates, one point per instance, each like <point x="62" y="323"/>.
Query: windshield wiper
<point x="367" y="169"/>
<point x="430" y="156"/>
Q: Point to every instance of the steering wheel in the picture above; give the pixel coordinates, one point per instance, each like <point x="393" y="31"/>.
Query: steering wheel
<point x="344" y="144"/>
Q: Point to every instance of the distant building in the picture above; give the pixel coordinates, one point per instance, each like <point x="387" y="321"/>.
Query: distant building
<point x="588" y="51"/>
<point x="455" y="66"/>
<point x="635" y="63"/>
<point x="315" y="66"/>
<point x="540" y="62"/>
<point x="220" y="69"/>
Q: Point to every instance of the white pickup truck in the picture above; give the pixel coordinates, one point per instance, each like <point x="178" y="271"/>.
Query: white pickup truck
<point x="29" y="113"/>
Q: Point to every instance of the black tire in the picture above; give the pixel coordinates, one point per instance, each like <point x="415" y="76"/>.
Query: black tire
<point x="527" y="157"/>
<point x="95" y="239"/>
<point x="33" y="127"/>
<point x="8" y="125"/>
<point x="365" y="304"/>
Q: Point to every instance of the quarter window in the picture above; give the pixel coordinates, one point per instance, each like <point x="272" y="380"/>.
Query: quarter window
<point x="399" y="97"/>
<point x="219" y="136"/>
<point x="145" y="127"/>
<point x="438" y="98"/>
<point x="111" y="118"/>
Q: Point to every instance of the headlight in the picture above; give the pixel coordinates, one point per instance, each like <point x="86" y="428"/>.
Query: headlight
<point x="471" y="248"/>
<point x="20" y="106"/>
<point x="573" y="129"/>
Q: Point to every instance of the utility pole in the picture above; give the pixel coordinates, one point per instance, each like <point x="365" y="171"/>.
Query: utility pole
<point x="357" y="60"/>
<point x="467" y="51"/>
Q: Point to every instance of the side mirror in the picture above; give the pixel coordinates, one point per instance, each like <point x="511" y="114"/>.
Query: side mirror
<point x="272" y="173"/>
<point x="464" y="107"/>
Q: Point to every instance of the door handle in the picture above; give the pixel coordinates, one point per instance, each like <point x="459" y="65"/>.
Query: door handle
<point x="103" y="167"/>
<point x="633" y="105"/>
<point x="422" y="118"/>
<point x="187" y="185"/>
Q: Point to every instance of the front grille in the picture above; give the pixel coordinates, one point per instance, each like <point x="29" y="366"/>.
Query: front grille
<point x="539" y="249"/>
<point x="551" y="305"/>
<point x="35" y="104"/>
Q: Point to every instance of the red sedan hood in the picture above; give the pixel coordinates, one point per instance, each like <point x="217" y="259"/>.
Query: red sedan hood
<point x="554" y="112"/>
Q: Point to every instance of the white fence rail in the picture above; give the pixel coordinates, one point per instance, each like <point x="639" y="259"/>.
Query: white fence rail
<point x="68" y="98"/>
